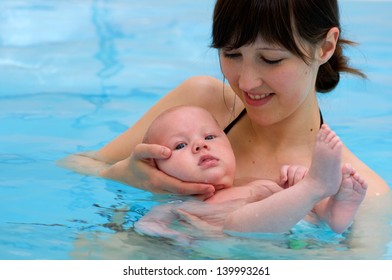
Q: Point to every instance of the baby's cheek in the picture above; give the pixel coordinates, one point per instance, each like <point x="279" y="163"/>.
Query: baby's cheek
<point x="164" y="165"/>
<point x="172" y="166"/>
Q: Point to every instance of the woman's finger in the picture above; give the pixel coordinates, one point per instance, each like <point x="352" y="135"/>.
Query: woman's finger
<point x="151" y="151"/>
<point x="173" y="185"/>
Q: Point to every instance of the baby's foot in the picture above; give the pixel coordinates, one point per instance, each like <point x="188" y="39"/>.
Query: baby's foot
<point x="344" y="205"/>
<point x="325" y="170"/>
<point x="353" y="188"/>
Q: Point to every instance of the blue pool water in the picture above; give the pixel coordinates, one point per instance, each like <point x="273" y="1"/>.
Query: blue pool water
<point x="74" y="74"/>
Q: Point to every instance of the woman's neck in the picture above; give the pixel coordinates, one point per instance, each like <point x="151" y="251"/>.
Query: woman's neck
<point x="298" y="129"/>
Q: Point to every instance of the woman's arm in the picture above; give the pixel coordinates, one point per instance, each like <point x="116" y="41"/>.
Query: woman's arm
<point x="156" y="223"/>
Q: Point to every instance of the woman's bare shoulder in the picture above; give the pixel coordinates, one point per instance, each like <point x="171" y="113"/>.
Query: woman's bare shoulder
<point x="211" y="94"/>
<point x="377" y="185"/>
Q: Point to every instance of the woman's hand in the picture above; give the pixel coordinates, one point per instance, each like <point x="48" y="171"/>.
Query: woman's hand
<point x="139" y="170"/>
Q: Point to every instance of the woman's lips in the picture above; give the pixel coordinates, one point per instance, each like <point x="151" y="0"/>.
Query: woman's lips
<point x="257" y="99"/>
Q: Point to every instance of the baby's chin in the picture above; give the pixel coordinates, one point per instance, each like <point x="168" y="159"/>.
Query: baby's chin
<point x="219" y="182"/>
<point x="217" y="179"/>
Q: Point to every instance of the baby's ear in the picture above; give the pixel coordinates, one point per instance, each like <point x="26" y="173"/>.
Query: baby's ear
<point x="328" y="47"/>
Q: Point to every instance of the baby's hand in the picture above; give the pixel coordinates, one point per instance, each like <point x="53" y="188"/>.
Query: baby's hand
<point x="291" y="174"/>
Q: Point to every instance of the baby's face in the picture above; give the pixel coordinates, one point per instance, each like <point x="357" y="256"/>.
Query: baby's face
<point x="201" y="151"/>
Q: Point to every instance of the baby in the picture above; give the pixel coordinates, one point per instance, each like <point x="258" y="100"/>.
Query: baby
<point x="201" y="152"/>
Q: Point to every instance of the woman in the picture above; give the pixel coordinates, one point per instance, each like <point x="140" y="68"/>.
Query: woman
<point x="275" y="56"/>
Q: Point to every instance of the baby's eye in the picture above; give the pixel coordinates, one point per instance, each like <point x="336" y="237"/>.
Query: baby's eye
<point x="180" y="146"/>
<point x="210" y="137"/>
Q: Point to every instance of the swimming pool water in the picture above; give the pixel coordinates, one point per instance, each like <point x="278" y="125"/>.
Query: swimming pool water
<point x="75" y="74"/>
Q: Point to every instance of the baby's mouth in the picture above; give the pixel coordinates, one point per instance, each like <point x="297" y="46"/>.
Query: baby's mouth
<point x="208" y="161"/>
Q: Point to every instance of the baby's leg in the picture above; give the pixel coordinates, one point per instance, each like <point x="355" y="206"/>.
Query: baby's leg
<point x="252" y="191"/>
<point x="282" y="210"/>
<point x="325" y="169"/>
<point x="344" y="205"/>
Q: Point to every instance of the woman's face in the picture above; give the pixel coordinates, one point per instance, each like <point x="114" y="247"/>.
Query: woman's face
<point x="272" y="82"/>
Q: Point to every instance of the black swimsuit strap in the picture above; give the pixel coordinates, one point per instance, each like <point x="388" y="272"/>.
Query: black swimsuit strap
<point x="243" y="112"/>
<point x="230" y="126"/>
<point x="321" y="119"/>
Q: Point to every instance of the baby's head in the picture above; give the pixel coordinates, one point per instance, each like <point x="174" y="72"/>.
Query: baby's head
<point x="201" y="151"/>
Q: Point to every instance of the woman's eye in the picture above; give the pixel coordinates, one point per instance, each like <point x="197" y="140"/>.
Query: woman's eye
<point x="271" y="61"/>
<point x="210" y="137"/>
<point x="231" y="55"/>
<point x="180" y="146"/>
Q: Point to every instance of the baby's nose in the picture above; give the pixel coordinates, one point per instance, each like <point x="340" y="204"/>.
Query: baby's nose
<point x="200" y="146"/>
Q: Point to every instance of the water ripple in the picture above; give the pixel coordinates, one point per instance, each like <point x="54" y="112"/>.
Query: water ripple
<point x="15" y="159"/>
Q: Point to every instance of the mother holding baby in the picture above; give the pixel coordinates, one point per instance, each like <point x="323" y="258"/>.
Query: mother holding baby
<point x="276" y="55"/>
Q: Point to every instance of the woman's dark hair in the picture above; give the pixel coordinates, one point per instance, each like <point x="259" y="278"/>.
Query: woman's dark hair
<point x="240" y="22"/>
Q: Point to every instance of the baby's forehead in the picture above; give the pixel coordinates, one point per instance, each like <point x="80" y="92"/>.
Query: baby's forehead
<point x="185" y="121"/>
<point x="179" y="120"/>
<point x="194" y="115"/>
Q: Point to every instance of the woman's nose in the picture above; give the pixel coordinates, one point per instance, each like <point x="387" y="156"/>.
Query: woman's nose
<point x="249" y="77"/>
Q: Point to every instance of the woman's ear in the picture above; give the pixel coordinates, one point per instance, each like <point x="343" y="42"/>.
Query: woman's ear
<point x="328" y="46"/>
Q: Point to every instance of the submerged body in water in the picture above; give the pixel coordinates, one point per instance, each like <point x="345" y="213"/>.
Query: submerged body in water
<point x="369" y="238"/>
